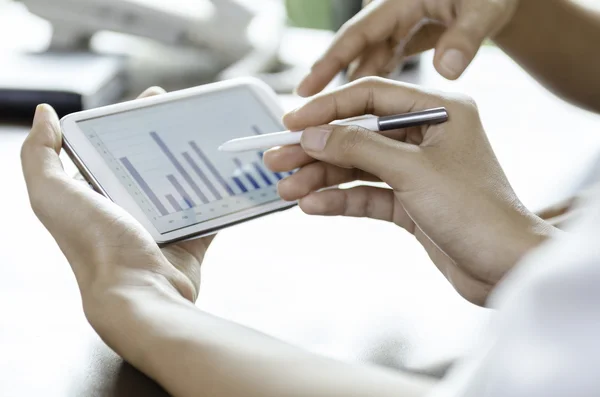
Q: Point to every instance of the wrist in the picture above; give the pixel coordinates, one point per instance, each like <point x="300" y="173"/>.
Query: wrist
<point x="157" y="275"/>
<point x="113" y="294"/>
<point x="122" y="314"/>
<point x="514" y="235"/>
<point x="530" y="232"/>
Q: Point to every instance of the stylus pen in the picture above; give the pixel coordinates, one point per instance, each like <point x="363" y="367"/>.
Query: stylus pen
<point x="373" y="123"/>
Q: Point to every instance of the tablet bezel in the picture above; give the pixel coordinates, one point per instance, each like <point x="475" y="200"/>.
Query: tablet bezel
<point x="97" y="172"/>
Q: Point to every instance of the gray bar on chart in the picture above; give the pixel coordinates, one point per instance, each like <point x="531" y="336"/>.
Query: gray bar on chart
<point x="174" y="203"/>
<point x="211" y="167"/>
<point x="186" y="197"/>
<point x="202" y="175"/>
<point x="179" y="167"/>
<point x="142" y="183"/>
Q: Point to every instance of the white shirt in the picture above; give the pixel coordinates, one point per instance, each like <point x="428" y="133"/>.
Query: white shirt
<point x="545" y="338"/>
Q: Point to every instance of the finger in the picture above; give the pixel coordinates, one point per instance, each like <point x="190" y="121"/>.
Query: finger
<point x="286" y="158"/>
<point x="40" y="156"/>
<point x="366" y="96"/>
<point x="355" y="147"/>
<point x="48" y="185"/>
<point x="317" y="176"/>
<point x="374" y="24"/>
<point x="360" y="201"/>
<point x="425" y="39"/>
<point x="459" y="45"/>
<point x="152" y="91"/>
<point x="373" y="62"/>
<point x="50" y="188"/>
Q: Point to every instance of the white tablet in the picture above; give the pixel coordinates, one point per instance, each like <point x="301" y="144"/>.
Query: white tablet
<point x="158" y="157"/>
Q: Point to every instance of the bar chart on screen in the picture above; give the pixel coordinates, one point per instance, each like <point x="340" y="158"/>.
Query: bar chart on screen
<point x="174" y="170"/>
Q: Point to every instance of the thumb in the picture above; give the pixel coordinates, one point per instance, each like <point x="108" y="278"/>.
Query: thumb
<point x="356" y="147"/>
<point x="42" y="168"/>
<point x="39" y="154"/>
<point x="460" y="43"/>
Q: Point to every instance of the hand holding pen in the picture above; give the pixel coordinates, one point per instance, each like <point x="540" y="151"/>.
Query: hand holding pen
<point x="373" y="123"/>
<point x="444" y="184"/>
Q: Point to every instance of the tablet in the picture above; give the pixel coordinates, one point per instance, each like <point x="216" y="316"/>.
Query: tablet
<point x="158" y="157"/>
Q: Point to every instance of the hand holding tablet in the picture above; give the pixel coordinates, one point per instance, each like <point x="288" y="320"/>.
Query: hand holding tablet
<point x="158" y="157"/>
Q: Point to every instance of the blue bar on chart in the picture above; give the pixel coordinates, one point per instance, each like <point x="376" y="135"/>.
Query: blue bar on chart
<point x="184" y="195"/>
<point x="277" y="174"/>
<point x="239" y="183"/>
<point x="142" y="183"/>
<point x="248" y="176"/>
<point x="262" y="173"/>
<point x="211" y="167"/>
<point x="179" y="167"/>
<point x="202" y="175"/>
<point x="174" y="203"/>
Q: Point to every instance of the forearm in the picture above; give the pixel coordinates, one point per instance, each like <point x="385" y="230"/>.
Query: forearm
<point x="192" y="353"/>
<point x="556" y="41"/>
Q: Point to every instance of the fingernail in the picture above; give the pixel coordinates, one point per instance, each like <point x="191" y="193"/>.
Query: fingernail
<point x="300" y="91"/>
<point x="287" y="117"/>
<point x="315" y="138"/>
<point x="40" y="113"/>
<point x="453" y="62"/>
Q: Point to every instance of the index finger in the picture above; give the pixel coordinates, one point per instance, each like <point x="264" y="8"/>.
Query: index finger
<point x="374" y="24"/>
<point x="372" y="95"/>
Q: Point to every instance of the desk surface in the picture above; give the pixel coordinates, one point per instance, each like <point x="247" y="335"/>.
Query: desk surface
<point x="383" y="302"/>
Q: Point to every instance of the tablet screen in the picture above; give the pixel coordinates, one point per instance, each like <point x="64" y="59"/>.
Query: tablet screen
<point x="167" y="157"/>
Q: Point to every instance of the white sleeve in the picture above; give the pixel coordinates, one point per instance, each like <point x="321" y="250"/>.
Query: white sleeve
<point x="544" y="340"/>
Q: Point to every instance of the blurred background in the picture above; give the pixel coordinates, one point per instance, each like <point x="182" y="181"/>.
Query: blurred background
<point x="321" y="14"/>
<point x="79" y="54"/>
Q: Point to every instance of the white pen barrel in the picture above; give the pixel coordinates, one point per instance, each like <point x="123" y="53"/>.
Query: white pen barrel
<point x="285" y="138"/>
<point x="373" y="123"/>
<point x="262" y="141"/>
<point x="289" y="138"/>
<point x="368" y="122"/>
